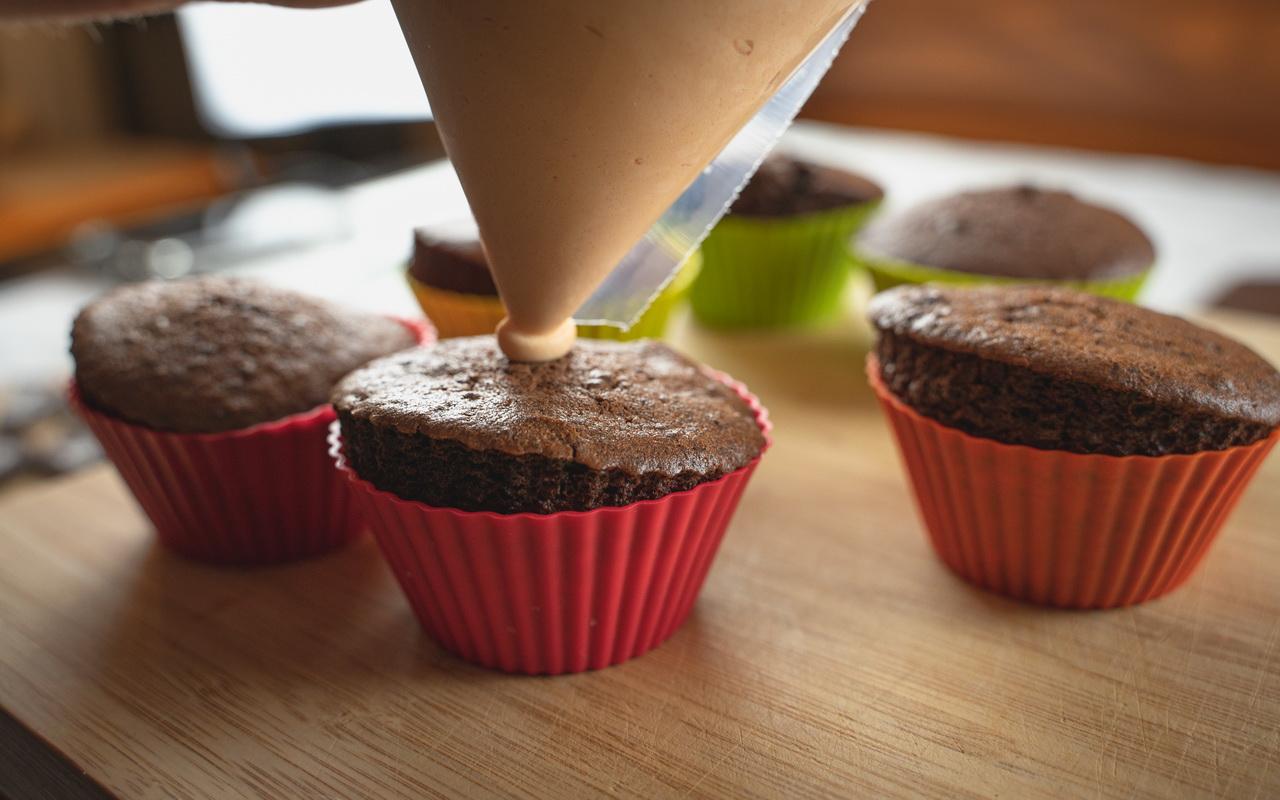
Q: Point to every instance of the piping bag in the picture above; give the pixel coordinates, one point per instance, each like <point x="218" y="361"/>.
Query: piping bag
<point x="598" y="142"/>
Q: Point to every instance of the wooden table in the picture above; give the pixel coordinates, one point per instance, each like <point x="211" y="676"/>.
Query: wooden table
<point x="830" y="653"/>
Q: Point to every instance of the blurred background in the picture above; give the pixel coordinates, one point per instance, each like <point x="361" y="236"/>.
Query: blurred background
<point x="249" y="139"/>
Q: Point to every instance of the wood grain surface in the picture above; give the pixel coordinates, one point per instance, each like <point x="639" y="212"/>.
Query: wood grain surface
<point x="829" y="655"/>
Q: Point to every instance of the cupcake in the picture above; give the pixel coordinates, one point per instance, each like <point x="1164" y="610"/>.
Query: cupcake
<point x="1008" y="235"/>
<point x="553" y="517"/>
<point x="211" y="398"/>
<point x="780" y="257"/>
<point x="451" y="280"/>
<point x="1259" y="295"/>
<point x="1067" y="449"/>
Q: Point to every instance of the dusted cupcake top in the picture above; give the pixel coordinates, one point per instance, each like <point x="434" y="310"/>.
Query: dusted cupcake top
<point x="215" y="354"/>
<point x="453" y="264"/>
<point x="1059" y="369"/>
<point x="785" y="187"/>
<point x="458" y="425"/>
<point x="1017" y="232"/>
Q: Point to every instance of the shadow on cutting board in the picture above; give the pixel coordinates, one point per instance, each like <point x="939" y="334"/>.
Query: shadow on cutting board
<point x="169" y="624"/>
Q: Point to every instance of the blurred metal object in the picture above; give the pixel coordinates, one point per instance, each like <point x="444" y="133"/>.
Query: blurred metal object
<point x="169" y="258"/>
<point x="24" y="406"/>
<point x="58" y="445"/>
<point x="224" y="234"/>
<point x="40" y="436"/>
<point x="11" y="458"/>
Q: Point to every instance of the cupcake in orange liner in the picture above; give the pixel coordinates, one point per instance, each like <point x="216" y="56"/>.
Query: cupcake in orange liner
<point x="1066" y="449"/>
<point x="210" y="397"/>
<point x="781" y="256"/>
<point x="554" y="517"/>
<point x="1010" y="235"/>
<point x="451" y="281"/>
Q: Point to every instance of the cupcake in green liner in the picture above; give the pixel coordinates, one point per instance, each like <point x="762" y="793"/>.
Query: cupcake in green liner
<point x="1018" y="234"/>
<point x="450" y="279"/>
<point x="780" y="257"/>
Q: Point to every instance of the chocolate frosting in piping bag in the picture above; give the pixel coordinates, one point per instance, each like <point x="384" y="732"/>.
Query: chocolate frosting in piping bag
<point x="574" y="125"/>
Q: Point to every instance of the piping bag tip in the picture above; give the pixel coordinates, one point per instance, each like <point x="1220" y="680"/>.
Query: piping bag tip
<point x="519" y="345"/>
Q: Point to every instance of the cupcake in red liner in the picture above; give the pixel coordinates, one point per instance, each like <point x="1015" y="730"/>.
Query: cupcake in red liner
<point x="565" y="516"/>
<point x="209" y="397"/>
<point x="260" y="495"/>
<point x="1068" y="450"/>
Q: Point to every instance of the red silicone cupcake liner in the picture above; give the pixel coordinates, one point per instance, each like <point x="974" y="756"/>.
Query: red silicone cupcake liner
<point x="554" y="593"/>
<point x="1066" y="529"/>
<point x="260" y="495"/>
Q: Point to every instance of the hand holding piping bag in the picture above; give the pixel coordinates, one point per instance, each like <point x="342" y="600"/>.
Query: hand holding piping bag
<point x="82" y="10"/>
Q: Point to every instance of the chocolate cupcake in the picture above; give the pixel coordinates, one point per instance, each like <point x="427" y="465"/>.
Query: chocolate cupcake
<point x="1259" y="295"/>
<point x="1063" y="370"/>
<point x="458" y="425"/>
<point x="451" y="280"/>
<point x="211" y="398"/>
<point x="788" y="187"/>
<point x="454" y="265"/>
<point x="552" y="517"/>
<point x="1067" y="448"/>
<point x="780" y="257"/>
<point x="215" y="354"/>
<point x="1006" y="235"/>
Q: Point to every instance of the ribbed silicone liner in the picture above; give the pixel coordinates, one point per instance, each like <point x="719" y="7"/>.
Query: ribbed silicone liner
<point x="1066" y="529"/>
<point x="554" y="593"/>
<point x="260" y="495"/>
<point x="776" y="272"/>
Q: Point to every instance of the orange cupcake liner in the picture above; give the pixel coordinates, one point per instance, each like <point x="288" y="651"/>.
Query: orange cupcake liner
<point x="261" y="495"/>
<point x="459" y="314"/>
<point x="455" y="313"/>
<point x="554" y="593"/>
<point x="1065" y="529"/>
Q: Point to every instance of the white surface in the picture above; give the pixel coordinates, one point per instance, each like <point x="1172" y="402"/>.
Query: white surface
<point x="347" y="64"/>
<point x="1212" y="225"/>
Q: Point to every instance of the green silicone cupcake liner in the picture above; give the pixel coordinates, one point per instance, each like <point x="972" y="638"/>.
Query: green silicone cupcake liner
<point x="776" y="272"/>
<point x="886" y="274"/>
<point x="653" y="322"/>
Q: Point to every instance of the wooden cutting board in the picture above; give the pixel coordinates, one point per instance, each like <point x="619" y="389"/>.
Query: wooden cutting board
<point x="830" y="653"/>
